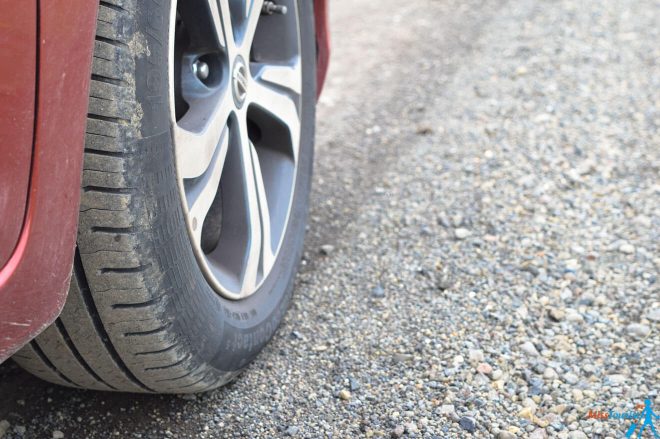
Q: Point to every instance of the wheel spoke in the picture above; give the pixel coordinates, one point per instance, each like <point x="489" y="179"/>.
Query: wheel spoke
<point x="252" y="15"/>
<point x="196" y="144"/>
<point x="268" y="256"/>
<point x="216" y="17"/>
<point x="201" y="192"/>
<point x="254" y="241"/>
<point x="287" y="77"/>
<point x="227" y="25"/>
<point x="276" y="90"/>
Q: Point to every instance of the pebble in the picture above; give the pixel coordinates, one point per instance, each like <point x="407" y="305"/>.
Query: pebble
<point x="638" y="330"/>
<point x="485" y="368"/>
<point x="549" y="373"/>
<point x="57" y="434"/>
<point x="424" y="130"/>
<point x="578" y="395"/>
<point x="327" y="249"/>
<point x="292" y="430"/>
<point x="411" y="428"/>
<point x="616" y="379"/>
<point x="398" y="431"/>
<point x="573" y="316"/>
<point x="527" y="413"/>
<point x="4" y="427"/>
<point x="503" y="434"/>
<point x="557" y="314"/>
<point x="541" y="422"/>
<point x="444" y="283"/>
<point x="570" y="378"/>
<point x="539" y="433"/>
<point x="558" y="409"/>
<point x="529" y="403"/>
<point x="475" y="356"/>
<point x="566" y="295"/>
<point x="529" y="348"/>
<point x="378" y="292"/>
<point x="627" y="249"/>
<point x="447" y="410"/>
<point x="344" y="394"/>
<point x="521" y="71"/>
<point x="654" y="315"/>
<point x="461" y="233"/>
<point x="577" y="434"/>
<point x="468" y="424"/>
<point x="401" y="358"/>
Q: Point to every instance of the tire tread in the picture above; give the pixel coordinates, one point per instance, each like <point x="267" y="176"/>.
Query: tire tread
<point x="109" y="336"/>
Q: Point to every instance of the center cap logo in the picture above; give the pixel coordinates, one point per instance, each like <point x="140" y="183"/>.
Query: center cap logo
<point x="239" y="81"/>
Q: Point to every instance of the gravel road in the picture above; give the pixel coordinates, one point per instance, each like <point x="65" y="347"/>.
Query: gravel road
<point x="484" y="243"/>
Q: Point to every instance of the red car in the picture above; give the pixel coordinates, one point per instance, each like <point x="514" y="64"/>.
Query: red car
<point x="154" y="182"/>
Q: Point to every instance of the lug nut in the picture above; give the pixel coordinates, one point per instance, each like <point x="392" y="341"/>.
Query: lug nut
<point x="270" y="8"/>
<point x="201" y="70"/>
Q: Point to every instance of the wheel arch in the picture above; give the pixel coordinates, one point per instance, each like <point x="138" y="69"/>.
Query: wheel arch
<point x="35" y="279"/>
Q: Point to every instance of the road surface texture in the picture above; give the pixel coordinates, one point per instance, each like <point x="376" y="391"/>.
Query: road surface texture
<point x="487" y="196"/>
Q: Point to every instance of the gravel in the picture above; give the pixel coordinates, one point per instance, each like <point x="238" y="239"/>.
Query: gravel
<point x="4" y="427"/>
<point x="493" y="167"/>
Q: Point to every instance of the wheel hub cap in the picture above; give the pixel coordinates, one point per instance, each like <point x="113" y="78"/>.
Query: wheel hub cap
<point x="239" y="81"/>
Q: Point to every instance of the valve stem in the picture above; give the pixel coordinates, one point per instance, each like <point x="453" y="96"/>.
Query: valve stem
<point x="270" y="8"/>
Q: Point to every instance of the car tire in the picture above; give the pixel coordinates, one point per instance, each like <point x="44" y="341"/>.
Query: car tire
<point x="142" y="313"/>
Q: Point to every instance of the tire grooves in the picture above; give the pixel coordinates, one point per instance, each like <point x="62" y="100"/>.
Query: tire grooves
<point x="114" y="230"/>
<point x="195" y="383"/>
<point x="175" y="378"/>
<point x="160" y="351"/>
<point x="151" y="302"/>
<point x="124" y="270"/>
<point x="112" y="81"/>
<point x="169" y="366"/>
<point x="112" y="42"/>
<point x="72" y="347"/>
<point x="42" y="356"/>
<point x="88" y="209"/>
<point x="109" y="190"/>
<point x="105" y="153"/>
<point x="151" y="332"/>
<point x="107" y="118"/>
<point x="101" y="98"/>
<point x="88" y="301"/>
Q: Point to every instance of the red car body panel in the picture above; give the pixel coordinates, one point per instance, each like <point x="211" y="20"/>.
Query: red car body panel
<point x="42" y="151"/>
<point x="18" y="67"/>
<point x="322" y="42"/>
<point x="34" y="280"/>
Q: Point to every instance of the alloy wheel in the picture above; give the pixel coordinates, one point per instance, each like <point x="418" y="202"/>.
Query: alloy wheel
<point x="235" y="75"/>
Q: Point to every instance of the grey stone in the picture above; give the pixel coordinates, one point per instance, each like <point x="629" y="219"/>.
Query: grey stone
<point x="468" y="424"/>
